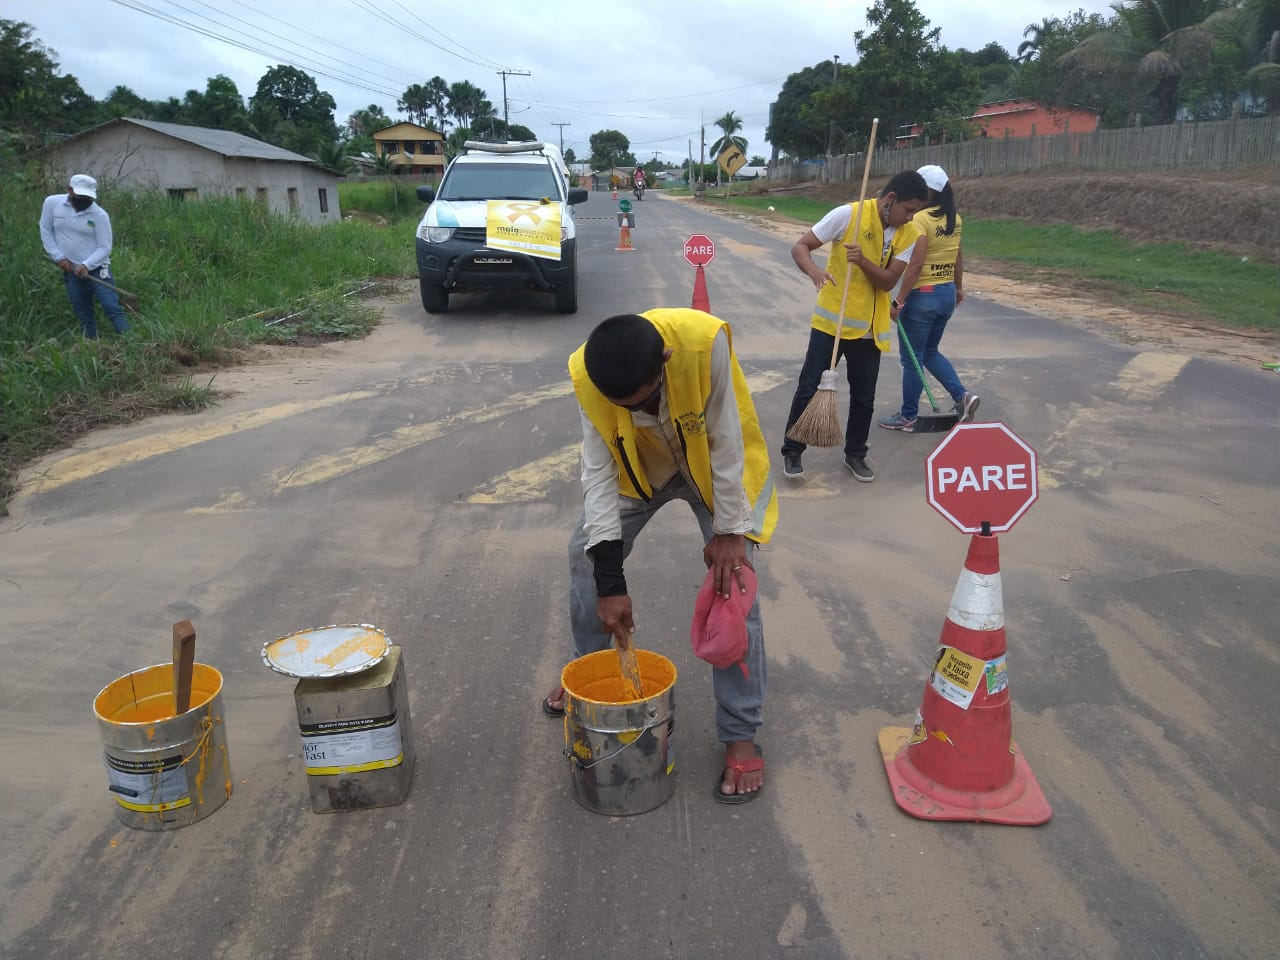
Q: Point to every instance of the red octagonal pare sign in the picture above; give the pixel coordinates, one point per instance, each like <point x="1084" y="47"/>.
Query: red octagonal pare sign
<point x="982" y="472"/>
<point x="699" y="250"/>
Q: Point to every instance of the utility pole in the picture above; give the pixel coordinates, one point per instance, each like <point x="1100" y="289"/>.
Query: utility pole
<point x="561" y="126"/>
<point x="831" y="129"/>
<point x="504" y="74"/>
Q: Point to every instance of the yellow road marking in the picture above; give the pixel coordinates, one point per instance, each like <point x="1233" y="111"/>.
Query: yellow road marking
<point x="1087" y="443"/>
<point x="320" y="469"/>
<point x="532" y="482"/>
<point x="80" y="466"/>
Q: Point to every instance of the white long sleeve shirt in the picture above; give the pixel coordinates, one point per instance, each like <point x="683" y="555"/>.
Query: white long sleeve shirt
<point x="83" y="237"/>
<point x="661" y="458"/>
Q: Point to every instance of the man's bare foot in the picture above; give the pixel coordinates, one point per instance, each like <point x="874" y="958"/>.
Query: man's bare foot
<point x="743" y="772"/>
<point x="553" y="703"/>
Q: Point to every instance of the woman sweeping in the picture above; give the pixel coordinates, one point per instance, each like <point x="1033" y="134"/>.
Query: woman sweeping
<point x="933" y="286"/>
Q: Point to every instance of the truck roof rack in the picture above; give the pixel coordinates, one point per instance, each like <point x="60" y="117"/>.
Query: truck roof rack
<point x="526" y="146"/>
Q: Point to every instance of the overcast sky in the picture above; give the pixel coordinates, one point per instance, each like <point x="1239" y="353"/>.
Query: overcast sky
<point x="592" y="65"/>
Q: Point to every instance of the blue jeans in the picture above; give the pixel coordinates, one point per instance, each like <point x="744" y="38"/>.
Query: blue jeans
<point x="739" y="699"/>
<point x="862" y="368"/>
<point x="923" y="320"/>
<point x="81" y="292"/>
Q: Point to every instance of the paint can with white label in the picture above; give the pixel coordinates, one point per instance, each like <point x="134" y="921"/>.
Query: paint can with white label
<point x="164" y="770"/>
<point x="357" y="746"/>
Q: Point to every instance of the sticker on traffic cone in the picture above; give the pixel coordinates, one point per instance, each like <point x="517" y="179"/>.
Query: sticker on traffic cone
<point x="700" y="299"/>
<point x="959" y="761"/>
<point x="624" y="238"/>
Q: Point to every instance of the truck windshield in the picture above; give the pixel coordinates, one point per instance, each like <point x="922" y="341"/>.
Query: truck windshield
<point x="499" y="181"/>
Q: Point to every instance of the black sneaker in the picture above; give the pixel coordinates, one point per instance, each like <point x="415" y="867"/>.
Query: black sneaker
<point x="859" y="467"/>
<point x="791" y="465"/>
<point x="968" y="406"/>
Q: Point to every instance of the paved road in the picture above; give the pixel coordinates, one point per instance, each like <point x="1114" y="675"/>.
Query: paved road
<point x="425" y="480"/>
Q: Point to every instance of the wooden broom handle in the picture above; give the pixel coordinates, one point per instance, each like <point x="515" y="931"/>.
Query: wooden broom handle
<point x="857" y="227"/>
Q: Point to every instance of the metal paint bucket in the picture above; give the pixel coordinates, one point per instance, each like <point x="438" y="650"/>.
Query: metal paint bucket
<point x="164" y="771"/>
<point x="621" y="750"/>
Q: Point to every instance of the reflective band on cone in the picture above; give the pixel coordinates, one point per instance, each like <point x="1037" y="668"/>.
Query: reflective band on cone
<point x="959" y="762"/>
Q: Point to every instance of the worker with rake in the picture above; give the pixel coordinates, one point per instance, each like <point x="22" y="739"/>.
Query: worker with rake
<point x="871" y="245"/>
<point x="667" y="415"/>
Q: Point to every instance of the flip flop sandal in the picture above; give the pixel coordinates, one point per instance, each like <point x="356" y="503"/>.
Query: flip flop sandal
<point x="549" y="710"/>
<point x="740" y="767"/>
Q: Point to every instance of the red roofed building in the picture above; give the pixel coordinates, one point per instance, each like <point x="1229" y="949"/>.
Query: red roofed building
<point x="1020" y="118"/>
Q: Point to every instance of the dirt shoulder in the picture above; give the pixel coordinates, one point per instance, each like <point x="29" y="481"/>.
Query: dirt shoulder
<point x="1227" y="208"/>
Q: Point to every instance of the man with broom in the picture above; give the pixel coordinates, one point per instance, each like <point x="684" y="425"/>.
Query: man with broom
<point x="875" y="237"/>
<point x="667" y="415"/>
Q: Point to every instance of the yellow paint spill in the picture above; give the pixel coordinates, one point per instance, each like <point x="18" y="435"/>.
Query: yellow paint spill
<point x="80" y="466"/>
<point x="370" y="643"/>
<point x="321" y="469"/>
<point x="532" y="482"/>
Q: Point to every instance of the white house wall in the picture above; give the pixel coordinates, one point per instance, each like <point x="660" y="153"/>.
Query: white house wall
<point x="135" y="158"/>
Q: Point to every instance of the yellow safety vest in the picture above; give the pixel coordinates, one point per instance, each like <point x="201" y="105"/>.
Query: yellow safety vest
<point x="940" y="258"/>
<point x="868" y="306"/>
<point x="687" y="375"/>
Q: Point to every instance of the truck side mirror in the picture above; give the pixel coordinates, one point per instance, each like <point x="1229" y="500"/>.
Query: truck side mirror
<point x="576" y="195"/>
<point x="426" y="193"/>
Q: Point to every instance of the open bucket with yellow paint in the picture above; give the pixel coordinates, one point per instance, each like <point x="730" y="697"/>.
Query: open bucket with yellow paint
<point x="620" y="749"/>
<point x="164" y="771"/>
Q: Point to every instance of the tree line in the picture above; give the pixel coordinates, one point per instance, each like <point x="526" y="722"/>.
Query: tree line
<point x="1151" y="61"/>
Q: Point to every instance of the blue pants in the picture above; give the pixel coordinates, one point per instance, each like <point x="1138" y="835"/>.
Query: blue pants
<point x="923" y="320"/>
<point x="739" y="699"/>
<point x="81" y="292"/>
<point x="862" y="367"/>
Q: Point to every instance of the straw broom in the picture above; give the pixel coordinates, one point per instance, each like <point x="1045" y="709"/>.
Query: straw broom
<point x="819" y="425"/>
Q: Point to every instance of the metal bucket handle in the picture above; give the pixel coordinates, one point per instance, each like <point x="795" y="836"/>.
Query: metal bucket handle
<point x="652" y="710"/>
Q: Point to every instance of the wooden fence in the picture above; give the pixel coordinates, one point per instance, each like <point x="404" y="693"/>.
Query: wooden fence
<point x="1208" y="145"/>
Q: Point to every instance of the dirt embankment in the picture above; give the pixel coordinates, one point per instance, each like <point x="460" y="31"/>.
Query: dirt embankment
<point x="1230" y="211"/>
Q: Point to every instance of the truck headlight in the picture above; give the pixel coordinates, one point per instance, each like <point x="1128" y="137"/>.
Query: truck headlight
<point x="436" y="234"/>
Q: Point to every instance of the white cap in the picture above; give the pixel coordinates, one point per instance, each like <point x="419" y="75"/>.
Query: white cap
<point x="83" y="185"/>
<point x="935" y="177"/>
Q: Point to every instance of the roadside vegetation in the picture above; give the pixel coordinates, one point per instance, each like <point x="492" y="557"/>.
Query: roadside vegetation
<point x="211" y="277"/>
<point x="1164" y="278"/>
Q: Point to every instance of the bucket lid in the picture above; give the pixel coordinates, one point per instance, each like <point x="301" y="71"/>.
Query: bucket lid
<point x="332" y="651"/>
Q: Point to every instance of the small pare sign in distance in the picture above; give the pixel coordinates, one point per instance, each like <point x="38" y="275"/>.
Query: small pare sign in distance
<point x="982" y="472"/>
<point x="699" y="250"/>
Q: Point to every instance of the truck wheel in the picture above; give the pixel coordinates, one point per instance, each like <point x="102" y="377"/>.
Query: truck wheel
<point x="567" y="294"/>
<point x="435" y="298"/>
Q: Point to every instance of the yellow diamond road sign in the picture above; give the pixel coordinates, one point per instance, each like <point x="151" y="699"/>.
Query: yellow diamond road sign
<point x="731" y="159"/>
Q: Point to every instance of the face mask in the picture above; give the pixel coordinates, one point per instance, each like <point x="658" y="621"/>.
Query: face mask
<point x="81" y="204"/>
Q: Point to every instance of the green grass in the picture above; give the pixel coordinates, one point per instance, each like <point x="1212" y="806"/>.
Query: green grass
<point x="1163" y="278"/>
<point x="1160" y="277"/>
<point x="392" y="200"/>
<point x="211" y="276"/>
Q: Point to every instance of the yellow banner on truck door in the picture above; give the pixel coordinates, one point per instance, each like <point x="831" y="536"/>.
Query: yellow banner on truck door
<point x="524" y="226"/>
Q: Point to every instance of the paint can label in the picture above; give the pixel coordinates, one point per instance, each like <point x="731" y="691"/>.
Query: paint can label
<point x="352" y="745"/>
<point x="148" y="786"/>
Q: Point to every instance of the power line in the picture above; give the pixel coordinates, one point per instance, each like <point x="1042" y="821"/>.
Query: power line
<point x="140" y="7"/>
<point x="369" y="7"/>
<point x="336" y="46"/>
<point x="446" y="37"/>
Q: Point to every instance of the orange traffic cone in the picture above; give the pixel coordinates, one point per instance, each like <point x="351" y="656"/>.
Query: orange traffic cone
<point x="624" y="238"/>
<point x="959" y="761"/>
<point x="700" y="299"/>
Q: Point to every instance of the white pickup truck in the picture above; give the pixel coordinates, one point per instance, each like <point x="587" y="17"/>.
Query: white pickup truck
<point x="454" y="254"/>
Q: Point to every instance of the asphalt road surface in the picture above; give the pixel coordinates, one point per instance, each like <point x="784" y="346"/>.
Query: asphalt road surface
<point x="425" y="480"/>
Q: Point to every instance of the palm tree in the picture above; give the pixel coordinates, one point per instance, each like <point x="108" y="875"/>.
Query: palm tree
<point x="465" y="99"/>
<point x="438" y="100"/>
<point x="331" y="156"/>
<point x="1034" y="38"/>
<point x="1154" y="42"/>
<point x="729" y="125"/>
<point x="415" y="102"/>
